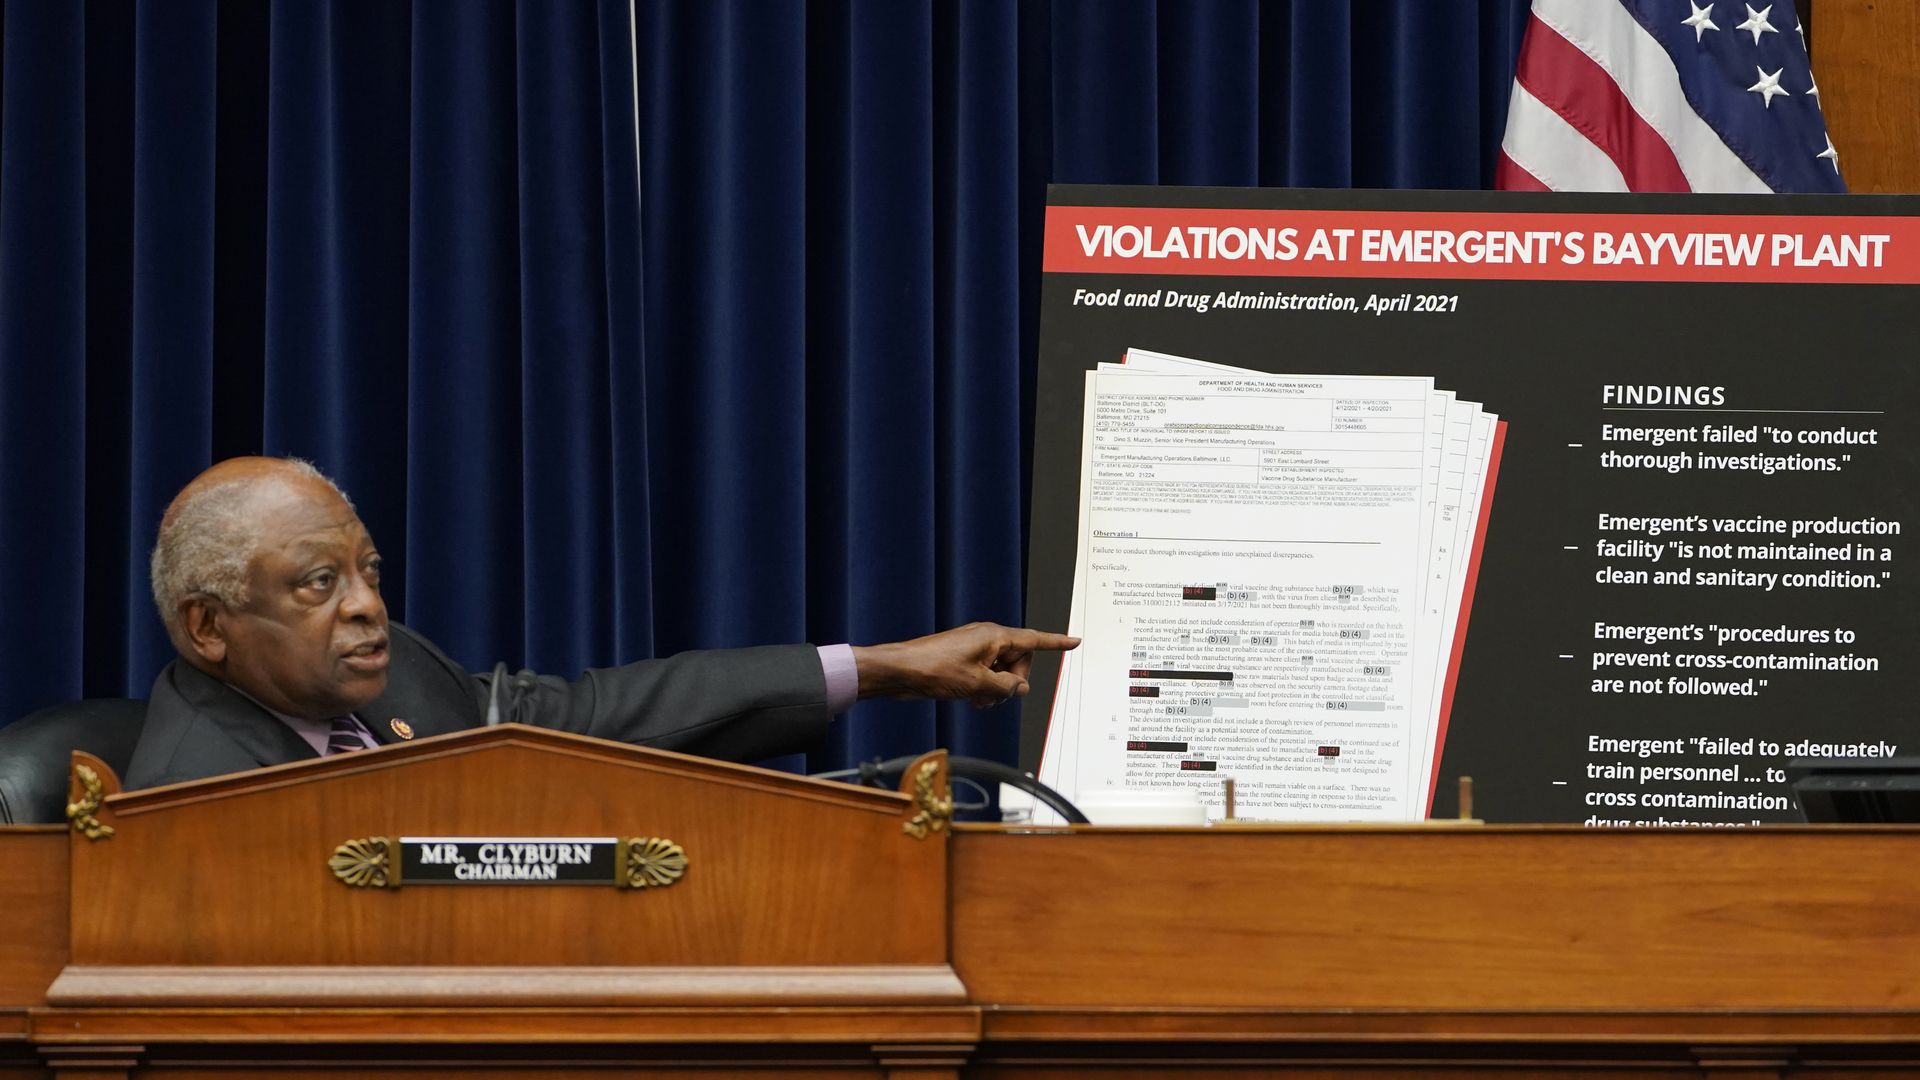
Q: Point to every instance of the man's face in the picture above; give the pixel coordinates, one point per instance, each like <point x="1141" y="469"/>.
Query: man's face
<point x="311" y="640"/>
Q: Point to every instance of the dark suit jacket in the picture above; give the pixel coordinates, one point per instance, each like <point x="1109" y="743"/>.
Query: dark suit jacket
<point x="739" y="704"/>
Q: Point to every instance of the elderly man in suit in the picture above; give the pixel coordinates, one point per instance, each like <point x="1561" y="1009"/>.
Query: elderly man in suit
<point x="269" y="586"/>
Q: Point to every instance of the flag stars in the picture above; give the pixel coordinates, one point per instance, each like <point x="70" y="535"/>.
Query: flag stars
<point x="1756" y="21"/>
<point x="1801" y="29"/>
<point x="1701" y="20"/>
<point x="1768" y="87"/>
<point x="1830" y="154"/>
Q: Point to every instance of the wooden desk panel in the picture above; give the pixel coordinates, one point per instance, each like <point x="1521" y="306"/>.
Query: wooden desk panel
<point x="1121" y="954"/>
<point x="781" y="870"/>
<point x="1494" y="919"/>
<point x="208" y="931"/>
<point x="33" y="913"/>
<point x="1453" y="952"/>
<point x="33" y="936"/>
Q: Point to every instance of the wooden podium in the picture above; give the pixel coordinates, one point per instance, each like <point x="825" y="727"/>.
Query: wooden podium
<point x="287" y="922"/>
<point x="808" y="924"/>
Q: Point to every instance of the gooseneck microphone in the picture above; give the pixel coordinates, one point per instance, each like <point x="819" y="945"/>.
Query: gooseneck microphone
<point x="493" y="693"/>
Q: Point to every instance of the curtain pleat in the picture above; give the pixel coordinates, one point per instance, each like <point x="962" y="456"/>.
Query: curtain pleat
<point x="1318" y="87"/>
<point x="723" y="153"/>
<point x="623" y="307"/>
<point x="338" y="189"/>
<point x="240" y="171"/>
<point x="1106" y="101"/>
<point x="1209" y="93"/>
<point x="875" y="199"/>
<point x="43" y="347"/>
<point x="567" y="519"/>
<point x="709" y="325"/>
<point x="976" y="392"/>
<point x="118" y="634"/>
<point x="174" y="107"/>
<point x="464" y="542"/>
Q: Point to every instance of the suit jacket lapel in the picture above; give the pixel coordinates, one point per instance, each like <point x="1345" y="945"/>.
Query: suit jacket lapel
<point x="378" y="725"/>
<point x="424" y="688"/>
<point x="253" y="729"/>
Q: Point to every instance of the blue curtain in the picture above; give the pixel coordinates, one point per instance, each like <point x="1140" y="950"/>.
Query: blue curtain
<point x="768" y="378"/>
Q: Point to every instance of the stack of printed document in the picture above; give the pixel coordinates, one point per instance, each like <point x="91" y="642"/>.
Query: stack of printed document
<point x="1272" y="583"/>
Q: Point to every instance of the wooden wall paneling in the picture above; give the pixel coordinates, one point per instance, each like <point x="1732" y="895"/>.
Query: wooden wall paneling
<point x="1866" y="60"/>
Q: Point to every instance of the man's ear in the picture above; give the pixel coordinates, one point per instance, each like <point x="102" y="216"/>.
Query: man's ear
<point x="204" y="628"/>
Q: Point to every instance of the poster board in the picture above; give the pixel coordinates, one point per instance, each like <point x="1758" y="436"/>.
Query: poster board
<point x="1692" y="568"/>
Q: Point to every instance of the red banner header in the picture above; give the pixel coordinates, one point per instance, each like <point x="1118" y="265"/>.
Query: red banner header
<point x="1419" y="244"/>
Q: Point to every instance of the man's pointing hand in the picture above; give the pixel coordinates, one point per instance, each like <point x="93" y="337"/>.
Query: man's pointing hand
<point x="985" y="663"/>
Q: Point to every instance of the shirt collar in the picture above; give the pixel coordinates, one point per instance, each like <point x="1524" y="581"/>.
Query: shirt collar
<point x="314" y="732"/>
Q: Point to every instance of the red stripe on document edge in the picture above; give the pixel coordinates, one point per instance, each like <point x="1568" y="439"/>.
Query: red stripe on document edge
<point x="1510" y="175"/>
<point x="1053" y="709"/>
<point x="1466" y="606"/>
<point x="1571" y="83"/>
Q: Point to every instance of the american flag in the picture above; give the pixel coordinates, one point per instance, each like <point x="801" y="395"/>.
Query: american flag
<point x="1665" y="95"/>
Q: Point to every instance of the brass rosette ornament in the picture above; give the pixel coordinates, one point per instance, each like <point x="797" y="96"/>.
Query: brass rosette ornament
<point x="652" y="862"/>
<point x="364" y="864"/>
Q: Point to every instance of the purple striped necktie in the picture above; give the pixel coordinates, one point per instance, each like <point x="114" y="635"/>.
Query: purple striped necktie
<point x="345" y="737"/>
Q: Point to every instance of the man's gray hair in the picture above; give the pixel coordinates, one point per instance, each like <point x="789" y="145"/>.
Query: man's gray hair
<point x="209" y="538"/>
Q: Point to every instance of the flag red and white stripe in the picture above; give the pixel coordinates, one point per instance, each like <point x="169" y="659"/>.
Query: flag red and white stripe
<point x="1627" y="95"/>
